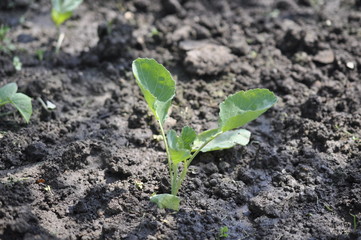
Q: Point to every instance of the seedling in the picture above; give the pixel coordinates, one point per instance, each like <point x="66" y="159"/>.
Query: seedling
<point x="61" y="11"/>
<point x="354" y="221"/>
<point x="5" y="43"/>
<point x="158" y="88"/>
<point x="17" y="63"/>
<point x="223" y="232"/>
<point x="40" y="54"/>
<point x="9" y="95"/>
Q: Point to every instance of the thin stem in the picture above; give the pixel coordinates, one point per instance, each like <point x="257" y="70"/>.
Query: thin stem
<point x="174" y="180"/>
<point x="168" y="154"/>
<point x="187" y="163"/>
<point x="4" y="103"/>
<point x="60" y="41"/>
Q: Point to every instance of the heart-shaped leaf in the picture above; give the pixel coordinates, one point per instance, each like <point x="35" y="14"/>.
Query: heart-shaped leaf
<point x="7" y="91"/>
<point x="9" y="95"/>
<point x="243" y="107"/>
<point x="23" y="104"/>
<point x="156" y="84"/>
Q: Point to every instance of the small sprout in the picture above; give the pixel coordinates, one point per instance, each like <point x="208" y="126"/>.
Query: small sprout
<point x="17" y="64"/>
<point x="253" y="54"/>
<point x="5" y="43"/>
<point x="9" y="95"/>
<point x="139" y="184"/>
<point x="61" y="11"/>
<point x="110" y="27"/>
<point x="354" y="221"/>
<point x="223" y="232"/>
<point x="3" y="32"/>
<point x="158" y="88"/>
<point x="40" y="54"/>
<point x="48" y="106"/>
<point x="48" y="189"/>
<point x="328" y="208"/>
<point x="154" y="32"/>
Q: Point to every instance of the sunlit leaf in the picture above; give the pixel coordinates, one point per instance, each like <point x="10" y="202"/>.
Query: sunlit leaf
<point x="243" y="107"/>
<point x="7" y="91"/>
<point x="156" y="84"/>
<point x="203" y="137"/>
<point x="23" y="104"/>
<point x="9" y="95"/>
<point x="226" y="140"/>
<point x="58" y="18"/>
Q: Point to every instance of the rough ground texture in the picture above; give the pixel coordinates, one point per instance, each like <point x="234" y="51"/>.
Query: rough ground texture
<point x="86" y="170"/>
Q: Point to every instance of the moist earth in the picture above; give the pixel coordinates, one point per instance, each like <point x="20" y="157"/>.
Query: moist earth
<point x="86" y="170"/>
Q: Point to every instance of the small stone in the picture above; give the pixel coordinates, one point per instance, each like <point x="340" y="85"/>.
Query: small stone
<point x="324" y="57"/>
<point x="208" y="59"/>
<point x="210" y="168"/>
<point x="350" y="65"/>
<point x="213" y="182"/>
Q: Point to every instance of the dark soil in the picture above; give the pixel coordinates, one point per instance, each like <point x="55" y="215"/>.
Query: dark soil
<point x="87" y="169"/>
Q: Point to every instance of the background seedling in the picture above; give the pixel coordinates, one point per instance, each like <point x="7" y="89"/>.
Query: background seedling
<point x="9" y="95"/>
<point x="158" y="88"/>
<point x="61" y="11"/>
<point x="354" y="221"/>
<point x="5" y="43"/>
<point x="223" y="232"/>
<point x="17" y="63"/>
<point x="40" y="54"/>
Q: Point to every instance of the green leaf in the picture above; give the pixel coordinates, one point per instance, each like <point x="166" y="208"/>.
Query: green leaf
<point x="243" y="107"/>
<point x="156" y="84"/>
<point x="225" y="140"/>
<point x="58" y="18"/>
<point x="62" y="10"/>
<point x="166" y="200"/>
<point x="7" y="91"/>
<point x="177" y="152"/>
<point x="23" y="104"/>
<point x="63" y="6"/>
<point x="203" y="138"/>
<point x="8" y="94"/>
<point x="188" y="136"/>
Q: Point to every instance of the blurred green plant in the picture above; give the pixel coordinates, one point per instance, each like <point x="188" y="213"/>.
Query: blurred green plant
<point x="22" y="103"/>
<point x="61" y="11"/>
<point x="6" y="45"/>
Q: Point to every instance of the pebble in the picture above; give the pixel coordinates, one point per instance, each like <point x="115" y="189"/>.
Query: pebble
<point x="324" y="57"/>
